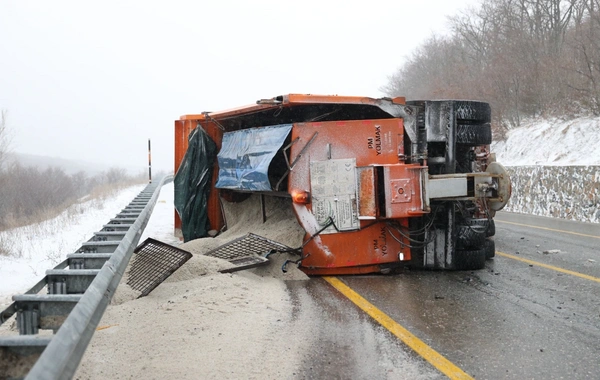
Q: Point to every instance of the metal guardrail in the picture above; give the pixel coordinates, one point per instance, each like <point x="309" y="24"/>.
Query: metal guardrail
<point x="76" y="300"/>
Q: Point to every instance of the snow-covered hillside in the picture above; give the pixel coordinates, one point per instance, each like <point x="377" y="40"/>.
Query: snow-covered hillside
<point x="554" y="167"/>
<point x="552" y="142"/>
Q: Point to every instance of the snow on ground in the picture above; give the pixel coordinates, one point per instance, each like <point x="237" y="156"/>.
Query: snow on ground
<point x="554" y="166"/>
<point x="552" y="142"/>
<point x="38" y="248"/>
<point x="161" y="226"/>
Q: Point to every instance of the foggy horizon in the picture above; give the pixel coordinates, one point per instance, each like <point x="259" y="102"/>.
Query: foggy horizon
<point x="94" y="81"/>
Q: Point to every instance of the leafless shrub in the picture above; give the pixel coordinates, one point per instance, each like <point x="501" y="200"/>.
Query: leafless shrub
<point x="5" y="247"/>
<point x="115" y="175"/>
<point x="4" y="136"/>
<point x="28" y="195"/>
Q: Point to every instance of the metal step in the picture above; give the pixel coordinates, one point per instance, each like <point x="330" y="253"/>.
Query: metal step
<point x="116" y="227"/>
<point x="99" y="246"/>
<point x="108" y="236"/>
<point x="130" y="212"/>
<point x="43" y="311"/>
<point x="122" y="220"/>
<point x="125" y="216"/>
<point x="88" y="260"/>
<point x="18" y="354"/>
<point x="69" y="281"/>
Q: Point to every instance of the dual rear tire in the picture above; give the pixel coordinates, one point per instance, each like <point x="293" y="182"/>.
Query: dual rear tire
<point x="473" y="259"/>
<point x="473" y="129"/>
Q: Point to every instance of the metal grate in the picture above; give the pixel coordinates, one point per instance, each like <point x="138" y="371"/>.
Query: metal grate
<point x="154" y="262"/>
<point x="247" y="252"/>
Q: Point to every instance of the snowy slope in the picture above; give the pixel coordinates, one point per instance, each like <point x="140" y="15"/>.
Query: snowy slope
<point x="53" y="241"/>
<point x="552" y="142"/>
<point x="40" y="247"/>
<point x="161" y="223"/>
<point x="554" y="167"/>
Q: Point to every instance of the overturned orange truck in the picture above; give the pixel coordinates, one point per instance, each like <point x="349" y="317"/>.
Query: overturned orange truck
<point x="376" y="184"/>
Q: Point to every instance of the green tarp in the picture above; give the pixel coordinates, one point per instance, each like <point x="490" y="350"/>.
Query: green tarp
<point x="192" y="184"/>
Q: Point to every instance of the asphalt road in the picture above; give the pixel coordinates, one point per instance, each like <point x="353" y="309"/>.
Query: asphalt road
<point x="532" y="313"/>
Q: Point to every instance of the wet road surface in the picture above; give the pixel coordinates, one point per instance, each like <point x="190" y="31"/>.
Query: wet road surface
<point x="345" y="343"/>
<point x="511" y="320"/>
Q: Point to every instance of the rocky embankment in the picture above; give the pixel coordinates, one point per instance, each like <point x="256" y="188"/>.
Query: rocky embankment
<point x="569" y="192"/>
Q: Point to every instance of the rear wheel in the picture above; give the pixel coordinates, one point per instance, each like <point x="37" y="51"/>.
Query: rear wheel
<point x="472" y="112"/>
<point x="489" y="246"/>
<point x="470" y="236"/>
<point x="488" y="224"/>
<point x="473" y="134"/>
<point x="469" y="259"/>
<point x="491" y="231"/>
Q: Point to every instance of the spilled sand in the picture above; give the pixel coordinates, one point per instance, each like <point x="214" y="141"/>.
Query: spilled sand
<point x="200" y="323"/>
<point x="254" y="324"/>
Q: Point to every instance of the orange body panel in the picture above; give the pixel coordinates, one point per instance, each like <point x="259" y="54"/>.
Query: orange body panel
<point x="334" y="99"/>
<point x="371" y="143"/>
<point x="285" y="101"/>
<point x="182" y="131"/>
<point x="209" y="120"/>
<point x="357" y="252"/>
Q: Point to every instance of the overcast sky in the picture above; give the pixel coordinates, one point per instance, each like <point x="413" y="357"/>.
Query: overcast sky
<point x="93" y="80"/>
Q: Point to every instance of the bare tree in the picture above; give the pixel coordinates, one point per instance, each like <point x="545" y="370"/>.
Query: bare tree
<point x="4" y="137"/>
<point x="585" y="55"/>
<point x="526" y="57"/>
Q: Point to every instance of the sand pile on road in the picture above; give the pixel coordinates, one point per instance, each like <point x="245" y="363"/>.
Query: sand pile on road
<point x="198" y="265"/>
<point x="216" y="326"/>
<point x="201" y="323"/>
<point x="241" y="218"/>
<point x="281" y="226"/>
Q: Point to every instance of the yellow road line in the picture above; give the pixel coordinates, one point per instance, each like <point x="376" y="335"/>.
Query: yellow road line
<point x="428" y="353"/>
<point x="548" y="229"/>
<point x="536" y="263"/>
